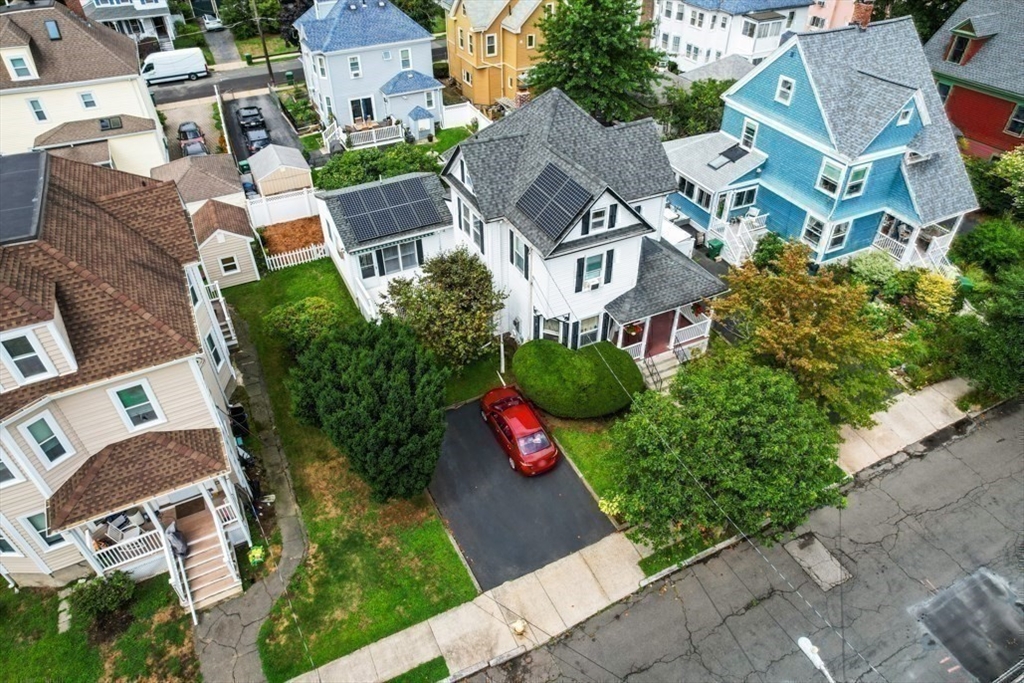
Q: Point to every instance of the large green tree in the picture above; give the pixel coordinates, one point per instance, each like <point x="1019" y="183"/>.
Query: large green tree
<point x="737" y="432"/>
<point x="366" y="165"/>
<point x="815" y="327"/>
<point x="379" y="396"/>
<point x="595" y="51"/>
<point x="238" y="16"/>
<point x="694" y="110"/>
<point x="928" y="15"/>
<point x="451" y="308"/>
<point x="993" y="353"/>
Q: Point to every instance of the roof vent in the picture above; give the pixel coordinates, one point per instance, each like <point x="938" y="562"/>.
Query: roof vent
<point x="380" y="3"/>
<point x="352" y="6"/>
<point x="913" y="157"/>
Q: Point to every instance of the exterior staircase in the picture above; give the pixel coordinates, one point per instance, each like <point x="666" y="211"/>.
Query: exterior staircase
<point x="659" y="370"/>
<point x="209" y="577"/>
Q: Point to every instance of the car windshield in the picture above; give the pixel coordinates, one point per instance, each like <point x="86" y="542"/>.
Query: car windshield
<point x="256" y="135"/>
<point x="533" y="443"/>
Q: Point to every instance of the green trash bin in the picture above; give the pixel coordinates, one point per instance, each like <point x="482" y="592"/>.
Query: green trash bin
<point x="289" y="77"/>
<point x="248" y="59"/>
<point x="966" y="284"/>
<point x="715" y="248"/>
<point x="243" y="166"/>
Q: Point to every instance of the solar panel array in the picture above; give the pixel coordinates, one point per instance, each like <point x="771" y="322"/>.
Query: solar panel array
<point x="389" y="209"/>
<point x="553" y="200"/>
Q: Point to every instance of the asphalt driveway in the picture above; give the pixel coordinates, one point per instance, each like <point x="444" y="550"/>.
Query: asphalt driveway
<point x="280" y="130"/>
<point x="508" y="525"/>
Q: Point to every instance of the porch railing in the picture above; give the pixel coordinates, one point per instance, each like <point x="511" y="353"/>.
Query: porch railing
<point x="226" y="513"/>
<point x="691" y="333"/>
<point x="635" y="351"/>
<point x="892" y="247"/>
<point x="376" y="136"/>
<point x="130" y="550"/>
<point x="227" y="328"/>
<point x="739" y="237"/>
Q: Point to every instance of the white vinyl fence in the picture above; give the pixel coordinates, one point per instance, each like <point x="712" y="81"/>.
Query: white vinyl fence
<point x="280" y="208"/>
<point x="462" y="114"/>
<point x="313" y="252"/>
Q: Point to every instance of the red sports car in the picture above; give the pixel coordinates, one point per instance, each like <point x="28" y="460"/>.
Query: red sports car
<point x="519" y="431"/>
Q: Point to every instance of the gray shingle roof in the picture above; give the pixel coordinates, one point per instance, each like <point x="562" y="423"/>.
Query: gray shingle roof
<point x="666" y="280"/>
<point x="998" y="64"/>
<point x="418" y="113"/>
<point x="691" y="156"/>
<point x="481" y="13"/>
<point x="125" y="11"/>
<point x="520" y="13"/>
<point x="505" y="158"/>
<point x="369" y="24"/>
<point x="859" y="102"/>
<point x="730" y="68"/>
<point x="745" y="6"/>
<point x="273" y="157"/>
<point x="409" y="81"/>
<point x="431" y="183"/>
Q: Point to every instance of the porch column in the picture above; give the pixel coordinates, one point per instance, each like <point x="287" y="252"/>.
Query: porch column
<point x="618" y="336"/>
<point x="911" y="251"/>
<point x="168" y="557"/>
<point x="85" y="548"/>
<point x="672" y="334"/>
<point x="643" y="340"/>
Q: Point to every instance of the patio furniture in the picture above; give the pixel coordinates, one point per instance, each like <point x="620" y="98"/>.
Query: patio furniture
<point x="113" y="533"/>
<point x="132" y="532"/>
<point x="137" y="518"/>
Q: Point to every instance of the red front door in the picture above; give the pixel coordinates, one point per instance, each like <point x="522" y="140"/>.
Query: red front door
<point x="659" y="337"/>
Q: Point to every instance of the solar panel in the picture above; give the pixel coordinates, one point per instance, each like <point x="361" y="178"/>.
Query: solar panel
<point x="388" y="209"/>
<point x="552" y="200"/>
<point x="735" y="153"/>
<point x="22" y="197"/>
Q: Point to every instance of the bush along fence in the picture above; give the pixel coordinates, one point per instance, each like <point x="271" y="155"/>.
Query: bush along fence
<point x="313" y="252"/>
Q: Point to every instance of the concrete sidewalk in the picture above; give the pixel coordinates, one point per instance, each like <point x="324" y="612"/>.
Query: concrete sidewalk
<point x="482" y="633"/>
<point x="911" y="418"/>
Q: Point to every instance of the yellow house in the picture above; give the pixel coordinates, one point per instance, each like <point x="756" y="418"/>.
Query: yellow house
<point x="492" y="44"/>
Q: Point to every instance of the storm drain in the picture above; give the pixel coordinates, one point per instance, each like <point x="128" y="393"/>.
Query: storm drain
<point x="980" y="621"/>
<point x="817" y="561"/>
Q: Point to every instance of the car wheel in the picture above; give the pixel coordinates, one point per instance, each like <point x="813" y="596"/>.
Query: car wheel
<point x="512" y="464"/>
<point x="193" y="77"/>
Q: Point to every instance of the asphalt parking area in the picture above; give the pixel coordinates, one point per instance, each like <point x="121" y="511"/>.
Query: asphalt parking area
<point x="278" y="128"/>
<point x="508" y="525"/>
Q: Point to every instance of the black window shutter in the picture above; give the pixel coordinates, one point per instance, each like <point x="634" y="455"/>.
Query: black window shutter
<point x="511" y="247"/>
<point x="586" y="223"/>
<point x="563" y="334"/>
<point x="608" y="260"/>
<point x="574" y="341"/>
<point x="613" y="211"/>
<point x="526" y="262"/>
<point x="458" y="213"/>
<point x="419" y="253"/>
<point x="537" y="320"/>
<point x="579" y="275"/>
<point x="380" y="261"/>
<point x="606" y="324"/>
<point x="482" y="240"/>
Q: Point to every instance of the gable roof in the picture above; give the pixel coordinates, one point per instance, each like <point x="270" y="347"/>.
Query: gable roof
<point x="481" y="13"/>
<point x="114" y="245"/>
<point x="89" y="153"/>
<point x="418" y="113"/>
<point x="89" y="130"/>
<point x="199" y="178"/>
<point x="273" y="157"/>
<point x="86" y="51"/>
<point x="505" y="158"/>
<point x="377" y="22"/>
<point x="746" y="6"/>
<point x="214" y="215"/>
<point x="998" y="64"/>
<point x="859" y="101"/>
<point x="409" y="81"/>
<point x="519" y="14"/>
<point x="134" y="470"/>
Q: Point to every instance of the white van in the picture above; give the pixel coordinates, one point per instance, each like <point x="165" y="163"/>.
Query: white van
<point x="175" y="65"/>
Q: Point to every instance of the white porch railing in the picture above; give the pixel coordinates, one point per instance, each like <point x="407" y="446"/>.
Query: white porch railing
<point x="226" y="513"/>
<point x="739" y="238"/>
<point x="313" y="252"/>
<point x="691" y="333"/>
<point x="130" y="550"/>
<point x="220" y="309"/>
<point x="892" y="247"/>
<point x="330" y="135"/>
<point x="635" y="351"/>
<point x="375" y="136"/>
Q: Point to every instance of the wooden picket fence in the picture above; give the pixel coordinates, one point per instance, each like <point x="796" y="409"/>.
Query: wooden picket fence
<point x="313" y="252"/>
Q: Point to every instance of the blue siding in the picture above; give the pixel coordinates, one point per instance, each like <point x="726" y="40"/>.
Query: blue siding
<point x="896" y="136"/>
<point x="877" y="190"/>
<point x="784" y="217"/>
<point x="694" y="211"/>
<point x="792" y="169"/>
<point x="862" y="234"/>
<point x="753" y="175"/>
<point x="899" y="198"/>
<point x="803" y="112"/>
<point x="732" y="122"/>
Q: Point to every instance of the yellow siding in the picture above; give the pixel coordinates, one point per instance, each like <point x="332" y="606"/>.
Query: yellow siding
<point x="233" y="245"/>
<point x="285" y="179"/>
<point x="6" y="378"/>
<point x="51" y="349"/>
<point x="58" y="322"/>
<point x="138" y="154"/>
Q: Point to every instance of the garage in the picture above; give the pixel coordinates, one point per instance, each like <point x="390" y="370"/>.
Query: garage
<point x="508" y="525"/>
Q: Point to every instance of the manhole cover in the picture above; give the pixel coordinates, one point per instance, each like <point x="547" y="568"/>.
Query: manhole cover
<point x="980" y="621"/>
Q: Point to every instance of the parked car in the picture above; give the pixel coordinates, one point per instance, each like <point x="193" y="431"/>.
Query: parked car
<point x="212" y="23"/>
<point x="519" y="431"/>
<point x="190" y="132"/>
<point x="195" y="149"/>
<point x="175" y="65"/>
<point x="250" y="117"/>
<point x="256" y="139"/>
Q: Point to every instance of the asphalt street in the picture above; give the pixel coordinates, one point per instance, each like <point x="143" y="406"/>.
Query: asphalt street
<point x="508" y="525"/>
<point x="935" y="551"/>
<point x="236" y="80"/>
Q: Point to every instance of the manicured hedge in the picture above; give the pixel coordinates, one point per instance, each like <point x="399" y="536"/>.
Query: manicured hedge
<point x="576" y="384"/>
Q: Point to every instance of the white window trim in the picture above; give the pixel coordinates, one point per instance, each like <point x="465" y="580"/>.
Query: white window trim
<point x="211" y="346"/>
<point x="757" y="128"/>
<point x="467" y="77"/>
<point x="83" y="95"/>
<point x="7" y="537"/>
<point x="43" y="545"/>
<point x="519" y="251"/>
<point x="386" y="54"/>
<point x="225" y="271"/>
<point x="358" y="72"/>
<point x="51" y="422"/>
<point x="321" y="66"/>
<point x="373" y="265"/>
<point x="487" y="50"/>
<point x="596" y="331"/>
<point x="430" y="101"/>
<point x="803" y="232"/>
<point x="863" y="183"/>
<point x="402" y="58"/>
<point x="1013" y="113"/>
<point x="28" y="65"/>
<point x="5" y="357"/>
<point x="778" y="90"/>
<point x="32" y="111"/>
<point x="831" y="234"/>
<point x="462" y="36"/>
<point x="599" y="215"/>
<point x="12" y="468"/>
<point x="471" y="44"/>
<point x="160" y="417"/>
<point x="531" y="41"/>
<point x="839" y="180"/>
<point x="736" y="197"/>
<point x="600" y="275"/>
<point x="905" y="116"/>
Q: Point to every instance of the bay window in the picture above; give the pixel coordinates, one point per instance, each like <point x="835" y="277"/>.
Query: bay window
<point x="588" y="330"/>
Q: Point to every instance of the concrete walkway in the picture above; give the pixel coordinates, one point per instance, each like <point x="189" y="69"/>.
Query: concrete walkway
<point x="225" y="638"/>
<point x="911" y="418"/>
<point x="485" y="631"/>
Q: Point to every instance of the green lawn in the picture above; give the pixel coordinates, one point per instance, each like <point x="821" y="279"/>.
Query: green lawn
<point x="157" y="644"/>
<point x="372" y="570"/>
<point x="449" y="137"/>
<point x="312" y="142"/>
<point x="674" y="554"/>
<point x="252" y="46"/>
<point x="476" y="378"/>
<point x="428" y="672"/>
<point x="194" y="40"/>
<point x="589" y="445"/>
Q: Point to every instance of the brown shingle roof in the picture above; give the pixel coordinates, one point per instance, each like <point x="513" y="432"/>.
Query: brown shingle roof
<point x="87" y="130"/>
<point x="89" y="153"/>
<point x="117" y="266"/>
<point x="86" y="51"/>
<point x="26" y="295"/>
<point x="200" y="178"/>
<point x="135" y="470"/>
<point x="214" y="216"/>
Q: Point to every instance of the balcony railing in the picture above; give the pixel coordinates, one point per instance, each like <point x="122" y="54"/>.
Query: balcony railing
<point x="892" y="247"/>
<point x="376" y="136"/>
<point x="226" y="513"/>
<point x="130" y="549"/>
<point x="692" y="333"/>
<point x="635" y="351"/>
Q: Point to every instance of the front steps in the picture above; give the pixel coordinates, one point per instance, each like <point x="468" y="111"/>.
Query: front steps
<point x="210" y="579"/>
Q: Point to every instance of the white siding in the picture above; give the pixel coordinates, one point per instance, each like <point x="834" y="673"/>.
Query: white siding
<point x="222" y="244"/>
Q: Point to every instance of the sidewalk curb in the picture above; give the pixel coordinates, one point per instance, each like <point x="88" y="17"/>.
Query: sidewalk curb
<point x="699" y="557"/>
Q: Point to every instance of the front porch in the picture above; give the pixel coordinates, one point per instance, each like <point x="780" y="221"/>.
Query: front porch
<point x="661" y="342"/>
<point x="363" y="135"/>
<point x="918" y="246"/>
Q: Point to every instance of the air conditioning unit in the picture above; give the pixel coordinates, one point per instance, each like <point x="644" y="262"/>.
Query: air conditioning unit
<point x="593" y="284"/>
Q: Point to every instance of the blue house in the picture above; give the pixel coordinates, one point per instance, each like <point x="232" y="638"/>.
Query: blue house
<point x="838" y="140"/>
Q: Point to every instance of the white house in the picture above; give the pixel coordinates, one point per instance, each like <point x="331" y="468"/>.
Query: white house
<point x="696" y="32"/>
<point x="136" y="19"/>
<point x="72" y="87"/>
<point x="368" y="66"/>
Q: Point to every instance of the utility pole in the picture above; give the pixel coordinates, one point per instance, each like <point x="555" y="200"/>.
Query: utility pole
<point x="263" y="40"/>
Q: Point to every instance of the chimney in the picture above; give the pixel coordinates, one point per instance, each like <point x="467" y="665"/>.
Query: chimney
<point x="862" y="13"/>
<point x="76" y="7"/>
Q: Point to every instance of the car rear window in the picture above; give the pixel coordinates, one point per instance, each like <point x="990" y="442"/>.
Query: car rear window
<point x="533" y="443"/>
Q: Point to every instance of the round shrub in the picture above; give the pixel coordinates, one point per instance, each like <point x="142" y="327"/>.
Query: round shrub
<point x="298" y="324"/>
<point x="768" y="250"/>
<point x="576" y="384"/>
<point x="874" y="269"/>
<point x="102" y="596"/>
<point x="935" y="294"/>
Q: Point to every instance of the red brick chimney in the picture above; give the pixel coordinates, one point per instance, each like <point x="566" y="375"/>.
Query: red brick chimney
<point x="75" y="6"/>
<point x="862" y="12"/>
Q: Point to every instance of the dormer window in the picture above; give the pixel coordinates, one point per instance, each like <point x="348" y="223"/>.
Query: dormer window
<point x="958" y="49"/>
<point x="26" y="359"/>
<point x="905" y="115"/>
<point x="598" y="219"/>
<point x="19" y="68"/>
